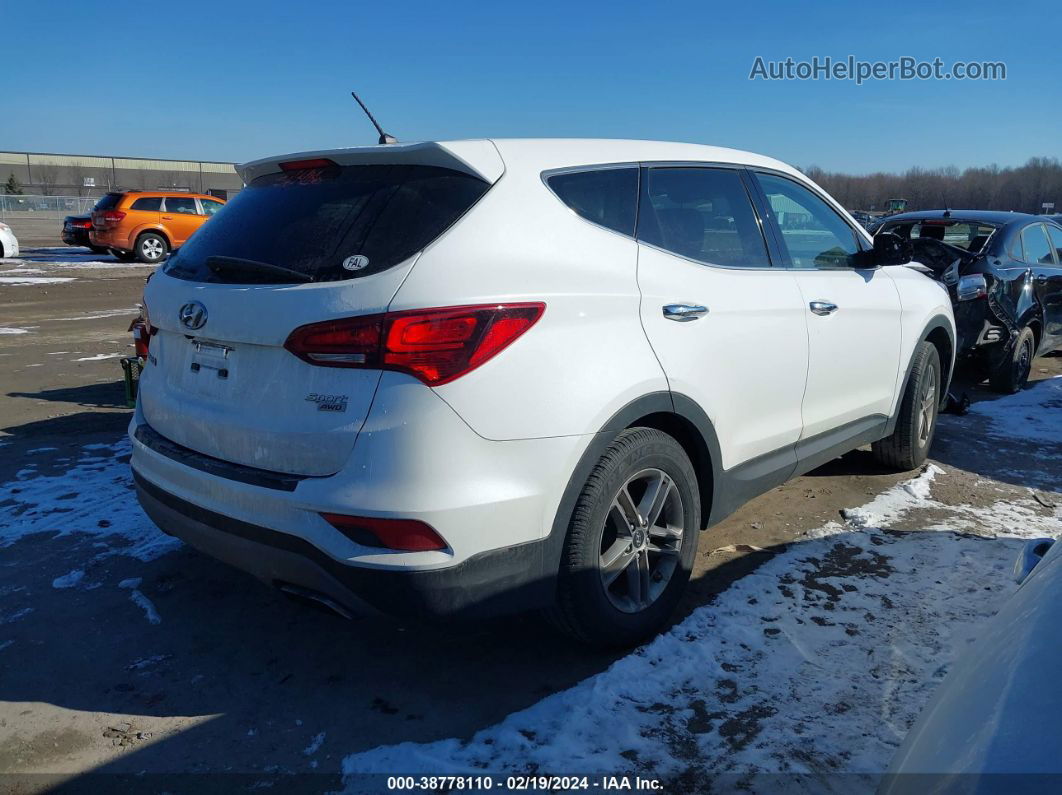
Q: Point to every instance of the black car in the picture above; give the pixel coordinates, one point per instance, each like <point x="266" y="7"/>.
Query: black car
<point x="1003" y="271"/>
<point x="76" y="232"/>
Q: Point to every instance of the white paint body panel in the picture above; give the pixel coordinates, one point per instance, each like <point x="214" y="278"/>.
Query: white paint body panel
<point x="854" y="353"/>
<point x="745" y="362"/>
<point x="9" y="241"/>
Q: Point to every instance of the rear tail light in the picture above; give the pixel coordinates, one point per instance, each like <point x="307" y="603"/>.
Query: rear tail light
<point x="435" y="345"/>
<point x="404" y="535"/>
<point x="112" y="217"/>
<point x="86" y="224"/>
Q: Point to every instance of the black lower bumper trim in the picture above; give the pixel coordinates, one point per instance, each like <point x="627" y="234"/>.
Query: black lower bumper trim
<point x="156" y="442"/>
<point x="492" y="583"/>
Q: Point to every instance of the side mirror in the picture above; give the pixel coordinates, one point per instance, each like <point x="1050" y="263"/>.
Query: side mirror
<point x="891" y="249"/>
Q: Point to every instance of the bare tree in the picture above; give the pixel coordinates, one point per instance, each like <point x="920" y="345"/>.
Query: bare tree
<point x="47" y="177"/>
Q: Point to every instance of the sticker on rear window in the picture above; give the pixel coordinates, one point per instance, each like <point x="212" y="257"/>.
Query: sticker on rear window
<point x="356" y="262"/>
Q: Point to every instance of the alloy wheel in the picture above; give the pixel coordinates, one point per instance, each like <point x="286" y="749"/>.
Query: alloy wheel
<point x="642" y="540"/>
<point x="152" y="248"/>
<point x="928" y="407"/>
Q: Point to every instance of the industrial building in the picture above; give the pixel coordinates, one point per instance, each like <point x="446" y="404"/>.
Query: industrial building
<point x="47" y="174"/>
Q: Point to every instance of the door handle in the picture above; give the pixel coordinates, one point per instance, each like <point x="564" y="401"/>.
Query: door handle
<point x="822" y="307"/>
<point x="684" y="313"/>
<point x="167" y="218"/>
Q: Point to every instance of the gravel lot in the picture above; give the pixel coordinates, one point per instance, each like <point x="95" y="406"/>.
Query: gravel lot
<point x="820" y="616"/>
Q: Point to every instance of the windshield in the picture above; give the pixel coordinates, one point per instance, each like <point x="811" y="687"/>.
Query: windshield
<point x="332" y="223"/>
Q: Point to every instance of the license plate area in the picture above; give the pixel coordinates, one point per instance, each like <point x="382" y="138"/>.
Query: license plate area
<point x="211" y="367"/>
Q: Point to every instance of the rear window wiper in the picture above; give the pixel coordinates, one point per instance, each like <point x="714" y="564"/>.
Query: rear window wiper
<point x="222" y="265"/>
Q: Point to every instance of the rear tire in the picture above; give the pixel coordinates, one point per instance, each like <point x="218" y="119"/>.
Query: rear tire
<point x="151" y="248"/>
<point x="1011" y="372"/>
<point x="631" y="542"/>
<point x="908" y="446"/>
<point x="124" y="256"/>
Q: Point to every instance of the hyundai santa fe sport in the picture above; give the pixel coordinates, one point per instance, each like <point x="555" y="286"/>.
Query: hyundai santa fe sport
<point x="479" y="377"/>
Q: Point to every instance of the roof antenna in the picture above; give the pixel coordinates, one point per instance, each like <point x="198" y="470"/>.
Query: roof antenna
<point x="384" y="137"/>
<point x="947" y="210"/>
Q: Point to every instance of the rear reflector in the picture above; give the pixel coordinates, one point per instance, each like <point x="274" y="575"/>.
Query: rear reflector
<point x="404" y="535"/>
<point x="435" y="345"/>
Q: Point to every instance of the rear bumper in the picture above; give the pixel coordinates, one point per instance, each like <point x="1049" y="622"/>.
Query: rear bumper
<point x="488" y="584"/>
<point x="110" y="238"/>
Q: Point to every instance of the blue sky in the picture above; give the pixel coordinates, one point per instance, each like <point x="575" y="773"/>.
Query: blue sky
<point x="236" y="80"/>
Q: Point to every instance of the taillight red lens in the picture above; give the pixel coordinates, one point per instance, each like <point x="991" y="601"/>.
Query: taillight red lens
<point x="404" y="535"/>
<point x="435" y="345"/>
<point x="113" y="216"/>
<point x="86" y="224"/>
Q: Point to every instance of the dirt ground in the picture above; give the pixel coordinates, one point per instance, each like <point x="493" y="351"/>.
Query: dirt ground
<point x="236" y="679"/>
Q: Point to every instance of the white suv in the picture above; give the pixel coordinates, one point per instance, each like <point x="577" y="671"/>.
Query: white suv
<point x="476" y="377"/>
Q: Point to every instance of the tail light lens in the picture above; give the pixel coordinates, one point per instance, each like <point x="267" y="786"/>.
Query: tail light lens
<point x="435" y="345"/>
<point x="86" y="224"/>
<point x="112" y="217"/>
<point x="404" y="535"/>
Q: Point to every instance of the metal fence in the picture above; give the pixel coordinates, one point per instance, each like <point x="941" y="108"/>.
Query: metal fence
<point x="43" y="208"/>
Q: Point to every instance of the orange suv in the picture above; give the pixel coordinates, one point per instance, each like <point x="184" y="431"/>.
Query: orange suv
<point x="147" y="225"/>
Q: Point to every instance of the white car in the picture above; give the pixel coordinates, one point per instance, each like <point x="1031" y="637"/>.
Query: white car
<point x="8" y="242"/>
<point x="477" y="377"/>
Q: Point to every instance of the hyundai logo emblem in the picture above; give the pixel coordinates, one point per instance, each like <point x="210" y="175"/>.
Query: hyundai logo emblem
<point x="192" y="315"/>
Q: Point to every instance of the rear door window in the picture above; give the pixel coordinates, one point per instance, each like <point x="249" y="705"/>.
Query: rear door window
<point x="181" y="204"/>
<point x="703" y="214"/>
<point x="148" y="204"/>
<point x="315" y="220"/>
<point x="1056" y="241"/>
<point x="1037" y="248"/>
<point x="210" y="206"/>
<point x="607" y="196"/>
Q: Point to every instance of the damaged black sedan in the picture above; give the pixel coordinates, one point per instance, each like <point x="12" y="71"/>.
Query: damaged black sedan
<point x="1003" y="271"/>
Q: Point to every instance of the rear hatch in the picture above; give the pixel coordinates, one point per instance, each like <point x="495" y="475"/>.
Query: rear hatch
<point x="312" y="238"/>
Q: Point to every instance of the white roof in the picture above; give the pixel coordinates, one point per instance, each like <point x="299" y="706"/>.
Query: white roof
<point x="534" y="154"/>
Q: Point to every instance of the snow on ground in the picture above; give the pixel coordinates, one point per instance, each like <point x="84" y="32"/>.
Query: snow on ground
<point x="98" y="357"/>
<point x="814" y="664"/>
<point x="14" y="331"/>
<point x="1032" y="413"/>
<point x="93" y="498"/>
<point x="29" y="281"/>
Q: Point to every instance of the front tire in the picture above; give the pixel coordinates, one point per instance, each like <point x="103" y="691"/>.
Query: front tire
<point x="151" y="248"/>
<point x="1011" y="372"/>
<point x="631" y="542"/>
<point x="908" y="446"/>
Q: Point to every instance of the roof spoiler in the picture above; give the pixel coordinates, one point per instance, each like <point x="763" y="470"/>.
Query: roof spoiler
<point x="479" y="158"/>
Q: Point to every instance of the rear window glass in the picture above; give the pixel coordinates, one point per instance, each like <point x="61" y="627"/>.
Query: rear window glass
<point x="970" y="235"/>
<point x="108" y="201"/>
<point x="148" y="203"/>
<point x="330" y="224"/>
<point x="608" y="197"/>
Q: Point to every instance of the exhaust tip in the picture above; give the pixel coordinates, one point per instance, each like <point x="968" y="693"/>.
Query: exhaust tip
<point x="314" y="599"/>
